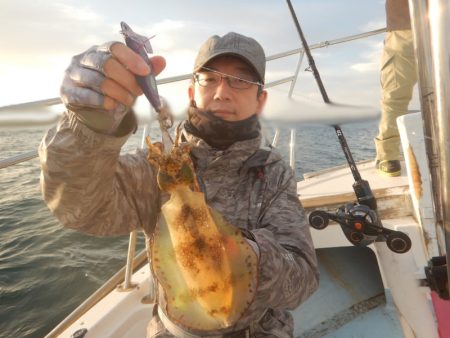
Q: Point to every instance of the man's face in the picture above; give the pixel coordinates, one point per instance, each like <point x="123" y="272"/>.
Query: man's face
<point x="223" y="101"/>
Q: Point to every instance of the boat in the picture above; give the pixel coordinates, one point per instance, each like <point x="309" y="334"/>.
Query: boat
<point x="367" y="289"/>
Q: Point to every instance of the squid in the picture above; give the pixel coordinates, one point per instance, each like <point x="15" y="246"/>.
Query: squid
<point x="206" y="267"/>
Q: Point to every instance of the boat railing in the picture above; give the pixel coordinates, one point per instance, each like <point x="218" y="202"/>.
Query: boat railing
<point x="126" y="273"/>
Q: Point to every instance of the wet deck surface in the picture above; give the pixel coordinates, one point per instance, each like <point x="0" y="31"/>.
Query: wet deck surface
<point x="351" y="300"/>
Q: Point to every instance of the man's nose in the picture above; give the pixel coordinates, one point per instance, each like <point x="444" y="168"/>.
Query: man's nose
<point x="223" y="89"/>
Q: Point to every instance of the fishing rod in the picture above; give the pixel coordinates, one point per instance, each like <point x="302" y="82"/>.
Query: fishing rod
<point x="360" y="223"/>
<point x="371" y="202"/>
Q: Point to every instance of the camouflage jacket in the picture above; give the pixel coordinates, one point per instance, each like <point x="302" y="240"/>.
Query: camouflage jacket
<point x="89" y="186"/>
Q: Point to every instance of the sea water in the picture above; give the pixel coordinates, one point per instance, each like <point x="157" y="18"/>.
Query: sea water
<point x="46" y="271"/>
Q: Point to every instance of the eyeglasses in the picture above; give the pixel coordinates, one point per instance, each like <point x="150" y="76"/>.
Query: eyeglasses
<point x="212" y="78"/>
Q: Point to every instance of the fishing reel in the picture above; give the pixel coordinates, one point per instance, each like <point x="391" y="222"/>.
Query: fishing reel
<point x="361" y="226"/>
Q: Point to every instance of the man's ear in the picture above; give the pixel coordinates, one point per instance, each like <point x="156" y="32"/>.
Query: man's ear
<point x="191" y="92"/>
<point x="261" y="98"/>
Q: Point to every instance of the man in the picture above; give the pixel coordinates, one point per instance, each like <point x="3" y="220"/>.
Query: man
<point x="398" y="77"/>
<point x="90" y="187"/>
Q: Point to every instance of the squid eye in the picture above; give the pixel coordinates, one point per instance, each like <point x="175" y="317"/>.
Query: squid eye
<point x="165" y="181"/>
<point x="186" y="174"/>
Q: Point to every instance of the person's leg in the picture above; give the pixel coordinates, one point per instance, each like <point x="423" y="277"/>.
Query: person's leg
<point x="398" y="77"/>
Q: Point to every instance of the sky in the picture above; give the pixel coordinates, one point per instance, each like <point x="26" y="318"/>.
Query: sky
<point x="39" y="38"/>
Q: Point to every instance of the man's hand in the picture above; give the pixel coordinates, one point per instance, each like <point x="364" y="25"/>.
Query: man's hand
<point x="102" y="80"/>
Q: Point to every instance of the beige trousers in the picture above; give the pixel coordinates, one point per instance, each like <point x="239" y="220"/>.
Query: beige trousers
<point x="398" y="77"/>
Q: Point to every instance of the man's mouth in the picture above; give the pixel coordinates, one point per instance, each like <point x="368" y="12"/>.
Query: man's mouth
<point x="222" y="113"/>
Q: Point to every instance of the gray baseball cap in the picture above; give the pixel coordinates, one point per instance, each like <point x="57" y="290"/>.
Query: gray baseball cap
<point x="235" y="44"/>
